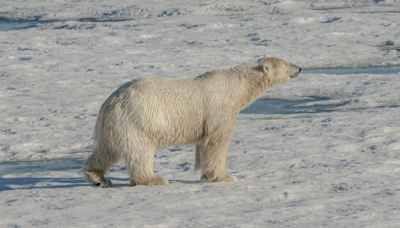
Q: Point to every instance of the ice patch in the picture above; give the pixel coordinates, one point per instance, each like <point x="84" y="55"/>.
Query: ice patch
<point x="278" y="106"/>
<point x="6" y="25"/>
<point x="307" y="20"/>
<point x="356" y="70"/>
<point x="39" y="166"/>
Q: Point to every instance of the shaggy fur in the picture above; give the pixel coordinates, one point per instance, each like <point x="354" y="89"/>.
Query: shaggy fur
<point x="152" y="112"/>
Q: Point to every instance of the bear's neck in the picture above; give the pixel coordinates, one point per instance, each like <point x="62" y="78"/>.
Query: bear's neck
<point x="252" y="82"/>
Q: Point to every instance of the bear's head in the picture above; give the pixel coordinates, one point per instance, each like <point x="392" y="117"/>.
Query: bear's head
<point x="278" y="70"/>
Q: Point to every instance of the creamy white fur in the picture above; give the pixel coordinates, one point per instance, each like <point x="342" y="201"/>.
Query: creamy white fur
<point x="152" y="112"/>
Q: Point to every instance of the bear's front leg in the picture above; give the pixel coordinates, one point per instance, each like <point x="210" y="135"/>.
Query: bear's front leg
<point x="211" y="156"/>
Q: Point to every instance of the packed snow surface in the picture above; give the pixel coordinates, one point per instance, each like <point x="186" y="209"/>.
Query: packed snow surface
<point x="320" y="151"/>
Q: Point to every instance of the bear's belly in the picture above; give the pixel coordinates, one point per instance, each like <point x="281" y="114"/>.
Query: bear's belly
<point x="188" y="130"/>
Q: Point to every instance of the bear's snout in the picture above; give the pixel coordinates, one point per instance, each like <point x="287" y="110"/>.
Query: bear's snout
<point x="296" y="72"/>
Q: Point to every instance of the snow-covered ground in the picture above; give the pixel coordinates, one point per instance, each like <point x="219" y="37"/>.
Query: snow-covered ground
<point x="330" y="159"/>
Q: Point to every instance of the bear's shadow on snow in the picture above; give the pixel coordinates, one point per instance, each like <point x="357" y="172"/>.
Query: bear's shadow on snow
<point x="187" y="182"/>
<point x="16" y="183"/>
<point x="41" y="183"/>
<point x="126" y="182"/>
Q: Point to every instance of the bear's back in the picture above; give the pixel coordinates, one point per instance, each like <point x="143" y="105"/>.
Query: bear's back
<point x="171" y="110"/>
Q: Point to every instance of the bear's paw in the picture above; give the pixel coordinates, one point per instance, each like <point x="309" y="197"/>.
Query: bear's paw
<point x="150" y="182"/>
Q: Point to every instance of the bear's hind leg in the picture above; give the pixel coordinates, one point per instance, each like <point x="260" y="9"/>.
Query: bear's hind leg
<point x="141" y="168"/>
<point x="97" y="165"/>
<point x="97" y="178"/>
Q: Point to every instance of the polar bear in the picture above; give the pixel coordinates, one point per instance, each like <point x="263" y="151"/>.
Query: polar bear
<point x="152" y="112"/>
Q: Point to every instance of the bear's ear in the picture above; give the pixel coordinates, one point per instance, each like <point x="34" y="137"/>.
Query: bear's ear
<point x="267" y="68"/>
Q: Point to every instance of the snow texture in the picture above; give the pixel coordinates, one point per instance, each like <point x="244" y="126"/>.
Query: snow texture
<point x="323" y="152"/>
